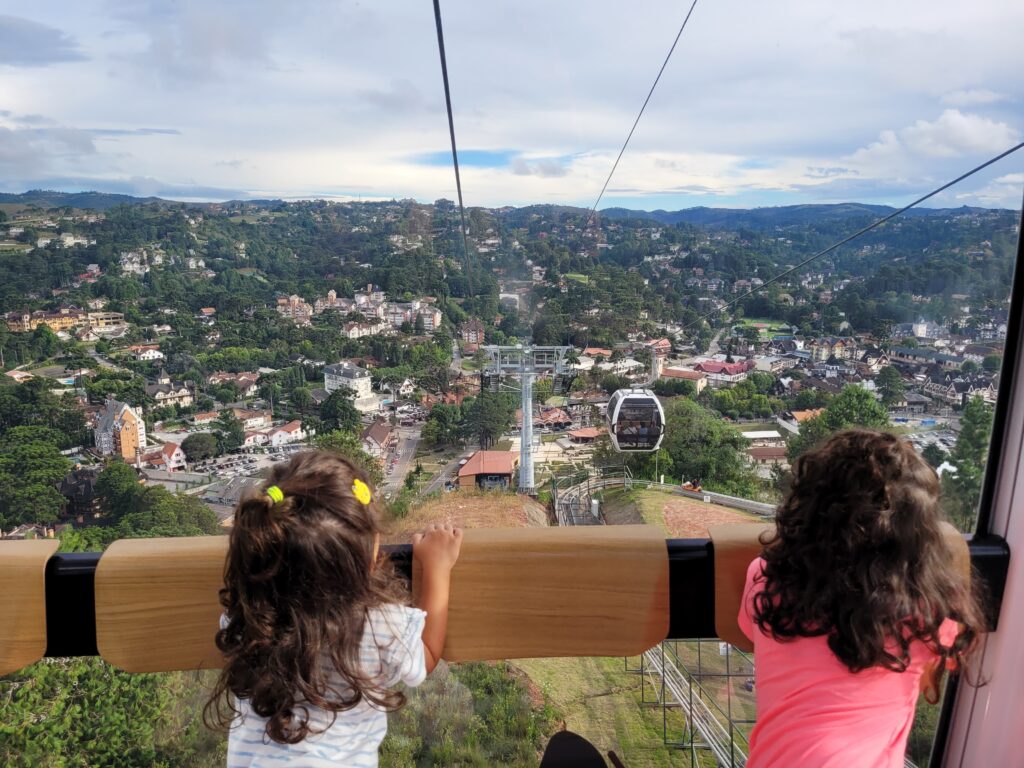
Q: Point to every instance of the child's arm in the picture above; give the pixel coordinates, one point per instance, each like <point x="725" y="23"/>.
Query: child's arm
<point x="436" y="550"/>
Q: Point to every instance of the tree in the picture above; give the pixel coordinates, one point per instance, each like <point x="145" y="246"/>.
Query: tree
<point x="29" y="474"/>
<point x="444" y="426"/>
<point x="338" y="412"/>
<point x="229" y="430"/>
<point x="991" y="363"/>
<point x="301" y="398"/>
<point x="348" y="445"/>
<point x="890" y="385"/>
<point x="969" y="367"/>
<point x="119" y="490"/>
<point x="934" y="455"/>
<point x="199" y="446"/>
<point x="488" y="417"/>
<point x="853" y="407"/>
<point x="162" y="513"/>
<point x="969" y="456"/>
<point x="699" y="445"/>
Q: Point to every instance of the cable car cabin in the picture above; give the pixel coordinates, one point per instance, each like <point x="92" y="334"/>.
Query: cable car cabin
<point x="636" y="420"/>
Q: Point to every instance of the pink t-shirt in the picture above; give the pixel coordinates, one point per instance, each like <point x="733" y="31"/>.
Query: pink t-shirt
<point x="812" y="711"/>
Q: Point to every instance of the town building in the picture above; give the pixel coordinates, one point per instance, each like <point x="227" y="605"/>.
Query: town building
<point x="472" y="331"/>
<point x="167" y="392"/>
<point x="348" y="376"/>
<point x="765" y="438"/>
<point x="489" y="470"/>
<point x="169" y="457"/>
<point x="120" y="431"/>
<point x="376" y="438"/>
<point x="62" y="319"/>
<point x="79" y="490"/>
<point x="698" y="379"/>
<point x="292" y="432"/>
<point x="295" y="308"/>
<point x="245" y="383"/>
<point x="724" y="375"/>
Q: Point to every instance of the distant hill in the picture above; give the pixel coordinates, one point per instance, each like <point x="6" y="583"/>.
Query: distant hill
<point x="97" y="201"/>
<point x="780" y="216"/>
<point x="755" y="218"/>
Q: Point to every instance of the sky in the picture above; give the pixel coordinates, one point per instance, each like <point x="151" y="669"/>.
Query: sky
<point x="775" y="103"/>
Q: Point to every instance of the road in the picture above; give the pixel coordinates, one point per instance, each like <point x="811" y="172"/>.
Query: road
<point x="446" y="472"/>
<point x="713" y="347"/>
<point x="456" y="365"/>
<point x="103" y="362"/>
<point x="408" y="439"/>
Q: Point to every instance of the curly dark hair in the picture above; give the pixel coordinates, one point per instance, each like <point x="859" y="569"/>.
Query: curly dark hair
<point x="858" y="555"/>
<point x="299" y="580"/>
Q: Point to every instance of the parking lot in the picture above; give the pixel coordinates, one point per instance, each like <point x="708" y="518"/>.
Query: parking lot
<point x="247" y="464"/>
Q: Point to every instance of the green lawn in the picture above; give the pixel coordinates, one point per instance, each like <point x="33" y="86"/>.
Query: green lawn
<point x="601" y="701"/>
<point x="577" y="277"/>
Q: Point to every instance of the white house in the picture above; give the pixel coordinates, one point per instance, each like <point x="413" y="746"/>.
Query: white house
<point x="291" y="432"/>
<point x="168" y="457"/>
<point x="253" y="439"/>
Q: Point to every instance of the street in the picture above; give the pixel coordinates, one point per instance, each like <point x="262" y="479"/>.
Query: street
<point x="446" y="473"/>
<point x="405" y="451"/>
<point x="456" y="359"/>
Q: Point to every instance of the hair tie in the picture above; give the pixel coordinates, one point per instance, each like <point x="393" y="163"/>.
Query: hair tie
<point x="275" y="494"/>
<point x="361" y="491"/>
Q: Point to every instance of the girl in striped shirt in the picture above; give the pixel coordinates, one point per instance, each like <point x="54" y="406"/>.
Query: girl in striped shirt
<point x="316" y="633"/>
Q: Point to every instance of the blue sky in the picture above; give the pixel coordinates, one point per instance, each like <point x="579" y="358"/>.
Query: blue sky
<point x="762" y="104"/>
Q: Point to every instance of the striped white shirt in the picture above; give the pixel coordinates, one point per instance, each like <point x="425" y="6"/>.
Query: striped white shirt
<point x="391" y="652"/>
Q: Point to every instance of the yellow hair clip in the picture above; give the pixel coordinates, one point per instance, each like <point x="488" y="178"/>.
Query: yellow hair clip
<point x="361" y="491"/>
<point x="275" y="493"/>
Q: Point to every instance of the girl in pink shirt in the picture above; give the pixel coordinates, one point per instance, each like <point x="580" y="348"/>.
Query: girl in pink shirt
<point x="854" y="607"/>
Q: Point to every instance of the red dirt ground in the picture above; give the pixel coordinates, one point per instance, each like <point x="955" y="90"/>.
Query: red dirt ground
<point x="689" y="519"/>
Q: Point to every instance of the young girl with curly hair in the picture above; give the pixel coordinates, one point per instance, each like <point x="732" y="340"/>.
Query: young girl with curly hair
<point x="316" y="632"/>
<point x="854" y="607"/>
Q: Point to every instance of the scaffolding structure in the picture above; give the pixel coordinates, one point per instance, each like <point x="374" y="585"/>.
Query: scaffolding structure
<point x="526" y="364"/>
<point x="711" y="684"/>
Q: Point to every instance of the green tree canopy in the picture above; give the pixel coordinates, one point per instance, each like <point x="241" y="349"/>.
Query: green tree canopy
<point x="229" y="430"/>
<point x="348" y="445"/>
<point x="969" y="456"/>
<point x="853" y="407"/>
<point x="119" y="490"/>
<point x="488" y="416"/>
<point x="29" y="475"/>
<point x="199" y="446"/>
<point x="699" y="445"/>
<point x="890" y="385"/>
<point x="338" y="412"/>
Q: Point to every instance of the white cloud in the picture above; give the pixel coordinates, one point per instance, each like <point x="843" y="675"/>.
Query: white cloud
<point x="972" y="97"/>
<point x="956" y="133"/>
<point x="953" y="134"/>
<point x="1004" y="192"/>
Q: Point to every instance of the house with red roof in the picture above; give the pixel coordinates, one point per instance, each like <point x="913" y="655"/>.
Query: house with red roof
<point x="168" y="457"/>
<point x="725" y="375"/>
<point x="292" y="432"/>
<point x="489" y="470"/>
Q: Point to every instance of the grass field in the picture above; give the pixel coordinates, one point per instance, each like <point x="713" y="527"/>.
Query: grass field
<point x="600" y="701"/>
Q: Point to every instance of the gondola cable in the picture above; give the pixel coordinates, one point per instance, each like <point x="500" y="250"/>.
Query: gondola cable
<point x="855" y="235"/>
<point x="455" y="152"/>
<point x="640" y="114"/>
